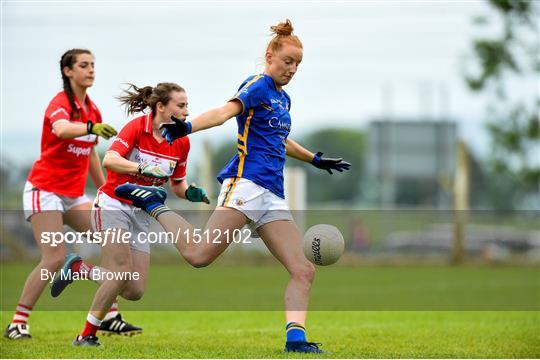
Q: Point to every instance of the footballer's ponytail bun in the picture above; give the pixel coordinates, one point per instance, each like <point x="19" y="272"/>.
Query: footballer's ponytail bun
<point x="138" y="99"/>
<point x="284" y="28"/>
<point x="283" y="33"/>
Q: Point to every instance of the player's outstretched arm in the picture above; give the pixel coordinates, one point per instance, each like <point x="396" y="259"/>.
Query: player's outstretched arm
<point x="209" y="119"/>
<point x="71" y="130"/>
<point x="299" y="152"/>
<point x="216" y="116"/>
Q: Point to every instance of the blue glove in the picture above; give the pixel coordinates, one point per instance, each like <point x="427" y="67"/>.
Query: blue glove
<point x="175" y="130"/>
<point x="196" y="194"/>
<point x="329" y="164"/>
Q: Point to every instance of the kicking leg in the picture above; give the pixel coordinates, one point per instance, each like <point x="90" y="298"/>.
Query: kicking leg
<point x="284" y="241"/>
<point x="151" y="199"/>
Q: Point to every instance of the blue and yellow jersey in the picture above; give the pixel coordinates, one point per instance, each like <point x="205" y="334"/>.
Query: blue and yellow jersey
<point x="263" y="128"/>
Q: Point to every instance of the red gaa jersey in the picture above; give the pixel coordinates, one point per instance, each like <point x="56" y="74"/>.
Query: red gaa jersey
<point x="136" y="143"/>
<point x="63" y="166"/>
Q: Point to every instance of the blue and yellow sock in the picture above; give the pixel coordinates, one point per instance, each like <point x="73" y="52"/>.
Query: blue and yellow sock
<point x="295" y="332"/>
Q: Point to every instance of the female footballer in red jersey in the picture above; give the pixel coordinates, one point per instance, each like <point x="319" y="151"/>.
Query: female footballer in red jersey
<point x="138" y="155"/>
<point x="54" y="192"/>
<point x="252" y="182"/>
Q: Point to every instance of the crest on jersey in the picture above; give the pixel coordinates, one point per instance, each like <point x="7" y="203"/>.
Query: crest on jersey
<point x="239" y="202"/>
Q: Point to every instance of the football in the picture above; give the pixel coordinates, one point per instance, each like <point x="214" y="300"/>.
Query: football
<point x="323" y="244"/>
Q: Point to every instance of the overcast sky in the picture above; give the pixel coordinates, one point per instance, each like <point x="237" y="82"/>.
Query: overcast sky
<point x="356" y="54"/>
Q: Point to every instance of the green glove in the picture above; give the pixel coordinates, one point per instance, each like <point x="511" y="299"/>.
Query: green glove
<point x="104" y="130"/>
<point x="152" y="170"/>
<point x="196" y="194"/>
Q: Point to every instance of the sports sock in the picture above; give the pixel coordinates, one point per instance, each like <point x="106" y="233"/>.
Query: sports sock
<point x="92" y="271"/>
<point x="91" y="325"/>
<point x="113" y="311"/>
<point x="81" y="266"/>
<point x="295" y="332"/>
<point x="156" y="209"/>
<point x="22" y="312"/>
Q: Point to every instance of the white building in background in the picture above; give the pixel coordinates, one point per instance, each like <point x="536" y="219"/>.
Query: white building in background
<point x="408" y="162"/>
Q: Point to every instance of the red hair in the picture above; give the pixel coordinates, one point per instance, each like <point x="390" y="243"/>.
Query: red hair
<point x="283" y="34"/>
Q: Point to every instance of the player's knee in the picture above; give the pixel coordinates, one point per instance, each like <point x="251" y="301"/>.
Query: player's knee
<point x="133" y="294"/>
<point x="304" y="273"/>
<point x="198" y="260"/>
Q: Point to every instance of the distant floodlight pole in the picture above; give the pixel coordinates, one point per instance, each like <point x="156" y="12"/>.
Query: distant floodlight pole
<point x="461" y="201"/>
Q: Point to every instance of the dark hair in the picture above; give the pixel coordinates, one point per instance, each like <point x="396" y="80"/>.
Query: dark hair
<point x="283" y="33"/>
<point x="137" y="99"/>
<point x="68" y="60"/>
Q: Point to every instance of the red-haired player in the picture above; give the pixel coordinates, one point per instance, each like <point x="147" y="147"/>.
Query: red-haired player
<point x="252" y="182"/>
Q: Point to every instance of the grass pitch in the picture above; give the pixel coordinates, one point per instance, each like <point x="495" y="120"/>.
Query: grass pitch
<point x="230" y="331"/>
<point x="260" y="335"/>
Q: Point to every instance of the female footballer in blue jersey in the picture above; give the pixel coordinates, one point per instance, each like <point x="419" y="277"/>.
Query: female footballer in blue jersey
<point x="252" y="181"/>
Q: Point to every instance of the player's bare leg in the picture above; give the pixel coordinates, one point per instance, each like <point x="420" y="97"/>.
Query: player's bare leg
<point x="116" y="257"/>
<point x="220" y="227"/>
<point x="51" y="256"/>
<point x="133" y="290"/>
<point x="284" y="241"/>
<point x="51" y="260"/>
<point x="78" y="217"/>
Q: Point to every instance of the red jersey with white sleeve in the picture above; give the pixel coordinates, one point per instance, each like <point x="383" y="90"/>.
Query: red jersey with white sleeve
<point x="63" y="165"/>
<point x="136" y="143"/>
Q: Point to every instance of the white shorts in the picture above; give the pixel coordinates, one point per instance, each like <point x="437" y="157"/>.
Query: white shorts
<point x="36" y="201"/>
<point x="109" y="213"/>
<point x="260" y="205"/>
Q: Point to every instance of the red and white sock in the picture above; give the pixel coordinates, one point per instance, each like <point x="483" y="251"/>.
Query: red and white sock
<point x="82" y="267"/>
<point x="113" y="311"/>
<point x="22" y="312"/>
<point x="91" y="325"/>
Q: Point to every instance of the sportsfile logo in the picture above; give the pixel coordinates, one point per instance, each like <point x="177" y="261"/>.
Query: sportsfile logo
<point x="316" y="247"/>
<point x="78" y="150"/>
